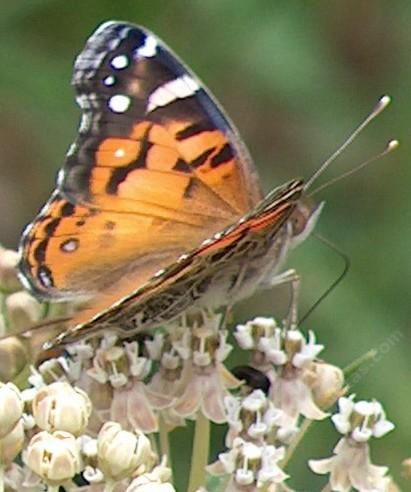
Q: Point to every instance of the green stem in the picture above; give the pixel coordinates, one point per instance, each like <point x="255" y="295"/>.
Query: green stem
<point x="164" y="441"/>
<point x="153" y="442"/>
<point x="3" y="309"/>
<point x="53" y="488"/>
<point x="295" y="442"/>
<point x="224" y="483"/>
<point x="1" y="477"/>
<point x="109" y="486"/>
<point x="199" y="456"/>
<point x="353" y="367"/>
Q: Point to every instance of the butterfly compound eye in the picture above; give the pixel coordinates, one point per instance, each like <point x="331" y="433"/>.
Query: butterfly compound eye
<point x="303" y="220"/>
<point x="300" y="217"/>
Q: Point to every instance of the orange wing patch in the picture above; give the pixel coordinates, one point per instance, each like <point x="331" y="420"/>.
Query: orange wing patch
<point x="117" y="152"/>
<point x="213" y="160"/>
<point x="178" y="174"/>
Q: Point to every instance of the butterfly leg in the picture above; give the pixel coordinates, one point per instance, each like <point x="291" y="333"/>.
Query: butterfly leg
<point x="289" y="277"/>
<point x="225" y="317"/>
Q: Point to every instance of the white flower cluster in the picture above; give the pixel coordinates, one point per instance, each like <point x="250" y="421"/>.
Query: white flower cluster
<point x="263" y="426"/>
<point x="254" y="430"/>
<point x="175" y="374"/>
<point x="56" y="448"/>
<point x="290" y="363"/>
<point x="87" y="412"/>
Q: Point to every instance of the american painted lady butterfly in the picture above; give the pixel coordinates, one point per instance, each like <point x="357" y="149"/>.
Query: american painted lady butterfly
<point x="158" y="207"/>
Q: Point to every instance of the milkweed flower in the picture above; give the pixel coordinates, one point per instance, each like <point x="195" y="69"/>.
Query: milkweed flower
<point x="11" y="407"/>
<point x="255" y="418"/>
<point x="250" y="466"/>
<point x="121" y="453"/>
<point x="123" y="367"/>
<point x="288" y="359"/>
<point x="55" y="457"/>
<point x="204" y="381"/>
<point x="60" y="406"/>
<point x="351" y="465"/>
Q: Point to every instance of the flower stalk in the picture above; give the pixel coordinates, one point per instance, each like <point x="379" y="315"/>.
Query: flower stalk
<point x="164" y="440"/>
<point x="296" y="441"/>
<point x="353" y="367"/>
<point x="200" y="452"/>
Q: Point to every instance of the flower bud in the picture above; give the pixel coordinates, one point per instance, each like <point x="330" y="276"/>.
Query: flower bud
<point x="13" y="358"/>
<point x="8" y="270"/>
<point x="22" y="310"/>
<point x="59" y="406"/>
<point x="11" y="407"/>
<point x="12" y="443"/>
<point x="155" y="481"/>
<point x="328" y="384"/>
<point x="122" y="453"/>
<point x="54" y="457"/>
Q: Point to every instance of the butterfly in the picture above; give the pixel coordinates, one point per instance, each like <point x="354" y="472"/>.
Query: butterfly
<point x="158" y="208"/>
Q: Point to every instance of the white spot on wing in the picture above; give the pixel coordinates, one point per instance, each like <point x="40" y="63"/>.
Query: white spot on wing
<point x="72" y="149"/>
<point x="119" y="153"/>
<point x="61" y="174"/>
<point x="179" y="88"/>
<point x="109" y="80"/>
<point x="85" y="122"/>
<point x="119" y="103"/>
<point x="83" y="101"/>
<point x="70" y="246"/>
<point x="149" y="48"/>
<point x="119" y="62"/>
<point x="45" y="279"/>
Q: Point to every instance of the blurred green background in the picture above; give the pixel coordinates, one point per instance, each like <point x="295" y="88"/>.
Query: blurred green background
<point x="296" y="77"/>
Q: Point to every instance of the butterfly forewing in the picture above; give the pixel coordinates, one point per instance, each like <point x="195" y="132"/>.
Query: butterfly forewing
<point x="156" y="169"/>
<point x="132" y="88"/>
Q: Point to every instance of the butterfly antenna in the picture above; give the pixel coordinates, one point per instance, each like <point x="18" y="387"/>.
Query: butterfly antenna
<point x="392" y="145"/>
<point x="334" y="284"/>
<point x="379" y="108"/>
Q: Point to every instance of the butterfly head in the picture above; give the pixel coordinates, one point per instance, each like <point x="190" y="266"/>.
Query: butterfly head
<point x="303" y="220"/>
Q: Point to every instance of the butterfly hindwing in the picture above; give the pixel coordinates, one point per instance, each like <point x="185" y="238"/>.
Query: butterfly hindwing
<point x="73" y="250"/>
